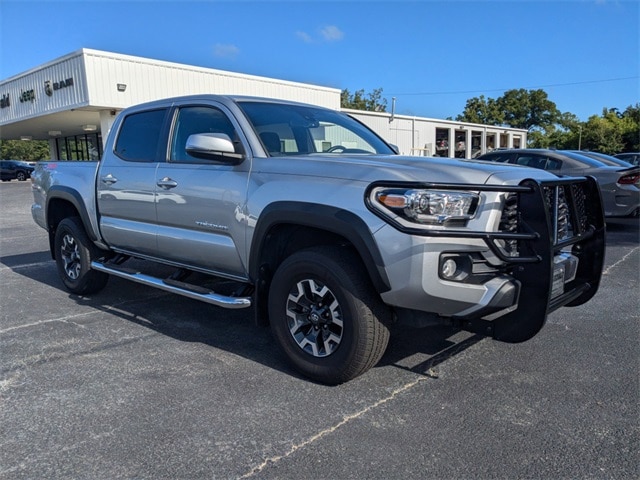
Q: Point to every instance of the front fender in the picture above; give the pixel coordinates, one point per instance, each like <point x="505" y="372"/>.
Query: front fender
<point x="321" y="217"/>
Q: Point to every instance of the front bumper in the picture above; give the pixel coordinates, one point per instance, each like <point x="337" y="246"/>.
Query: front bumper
<point x="548" y="252"/>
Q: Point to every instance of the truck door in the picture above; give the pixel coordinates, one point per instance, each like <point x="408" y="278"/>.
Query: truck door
<point x="199" y="202"/>
<point x="126" y="183"/>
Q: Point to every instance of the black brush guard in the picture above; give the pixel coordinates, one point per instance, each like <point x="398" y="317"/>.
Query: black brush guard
<point x="563" y="215"/>
<point x="545" y="218"/>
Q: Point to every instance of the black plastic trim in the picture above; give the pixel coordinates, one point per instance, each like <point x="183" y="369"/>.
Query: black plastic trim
<point x="59" y="192"/>
<point x="323" y="217"/>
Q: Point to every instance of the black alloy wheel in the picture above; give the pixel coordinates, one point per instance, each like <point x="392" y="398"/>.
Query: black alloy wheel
<point x="326" y="316"/>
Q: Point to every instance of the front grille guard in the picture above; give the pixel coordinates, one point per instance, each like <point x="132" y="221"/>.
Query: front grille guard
<point x="572" y="213"/>
<point x="567" y="215"/>
<point x="539" y="220"/>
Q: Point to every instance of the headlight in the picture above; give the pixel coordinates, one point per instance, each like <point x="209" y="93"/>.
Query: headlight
<point x="425" y="206"/>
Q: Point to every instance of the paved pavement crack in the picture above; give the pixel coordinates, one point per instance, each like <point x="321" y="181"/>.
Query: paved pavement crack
<point x="347" y="419"/>
<point x="607" y="270"/>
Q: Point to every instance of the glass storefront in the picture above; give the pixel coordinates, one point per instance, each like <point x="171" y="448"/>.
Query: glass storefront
<point x="87" y="147"/>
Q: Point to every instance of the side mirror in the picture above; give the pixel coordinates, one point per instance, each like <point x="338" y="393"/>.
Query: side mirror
<point x="213" y="146"/>
<point x="395" y="148"/>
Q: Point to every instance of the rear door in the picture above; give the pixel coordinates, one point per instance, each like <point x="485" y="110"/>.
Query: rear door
<point x="200" y="202"/>
<point x="126" y="183"/>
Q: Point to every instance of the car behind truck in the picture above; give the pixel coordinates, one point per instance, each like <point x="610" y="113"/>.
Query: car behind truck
<point x="309" y="217"/>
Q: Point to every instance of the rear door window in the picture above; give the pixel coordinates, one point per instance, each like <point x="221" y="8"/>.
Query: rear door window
<point x="139" y="136"/>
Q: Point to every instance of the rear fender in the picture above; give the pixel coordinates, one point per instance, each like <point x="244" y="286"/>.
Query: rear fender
<point x="63" y="202"/>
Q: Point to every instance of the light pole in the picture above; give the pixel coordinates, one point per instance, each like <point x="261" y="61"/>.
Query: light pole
<point x="580" y="138"/>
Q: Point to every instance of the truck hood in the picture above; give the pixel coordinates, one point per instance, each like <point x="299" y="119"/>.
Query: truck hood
<point x="370" y="168"/>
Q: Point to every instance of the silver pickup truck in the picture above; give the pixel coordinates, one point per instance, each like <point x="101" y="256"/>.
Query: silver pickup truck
<point x="309" y="217"/>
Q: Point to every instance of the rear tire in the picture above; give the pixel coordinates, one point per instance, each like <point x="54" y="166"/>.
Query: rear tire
<point x="326" y="316"/>
<point x="74" y="254"/>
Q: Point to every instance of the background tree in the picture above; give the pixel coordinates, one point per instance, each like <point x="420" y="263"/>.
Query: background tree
<point x="528" y="109"/>
<point x="565" y="134"/>
<point x="612" y="132"/>
<point x="27" y="150"/>
<point x="481" y="110"/>
<point x="604" y="134"/>
<point x="371" y="101"/>
<point x="631" y="128"/>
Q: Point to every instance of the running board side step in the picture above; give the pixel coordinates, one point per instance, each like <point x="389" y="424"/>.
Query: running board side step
<point x="180" y="288"/>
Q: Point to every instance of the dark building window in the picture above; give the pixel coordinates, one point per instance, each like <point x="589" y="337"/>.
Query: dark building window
<point x="87" y="147"/>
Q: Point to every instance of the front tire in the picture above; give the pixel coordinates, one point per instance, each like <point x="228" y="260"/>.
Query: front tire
<point x="74" y="254"/>
<point x="326" y="316"/>
<point x="21" y="176"/>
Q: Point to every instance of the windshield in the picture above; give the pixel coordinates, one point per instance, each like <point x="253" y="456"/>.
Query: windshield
<point x="286" y="129"/>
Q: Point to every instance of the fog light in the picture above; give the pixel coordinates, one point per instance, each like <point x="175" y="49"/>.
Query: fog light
<point x="455" y="267"/>
<point x="449" y="268"/>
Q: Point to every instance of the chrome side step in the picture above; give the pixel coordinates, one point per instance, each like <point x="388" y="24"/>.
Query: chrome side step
<point x="180" y="288"/>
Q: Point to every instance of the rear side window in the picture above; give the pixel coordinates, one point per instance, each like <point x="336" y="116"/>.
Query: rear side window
<point x="534" y="161"/>
<point x="139" y="136"/>
<point x="503" y="157"/>
<point x="542" y="162"/>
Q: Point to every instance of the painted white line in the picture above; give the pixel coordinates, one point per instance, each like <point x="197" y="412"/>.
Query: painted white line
<point x="25" y="265"/>
<point x="68" y="318"/>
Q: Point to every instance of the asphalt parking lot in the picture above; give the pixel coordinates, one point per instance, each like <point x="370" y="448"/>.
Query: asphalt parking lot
<point x="138" y="383"/>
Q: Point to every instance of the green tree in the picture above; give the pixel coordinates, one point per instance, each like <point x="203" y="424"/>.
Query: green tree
<point x="565" y="134"/>
<point x="482" y="110"/>
<point x="28" y="150"/>
<point x="371" y="101"/>
<point x="631" y="128"/>
<point x="528" y="109"/>
<point x="604" y="134"/>
<point x="612" y="132"/>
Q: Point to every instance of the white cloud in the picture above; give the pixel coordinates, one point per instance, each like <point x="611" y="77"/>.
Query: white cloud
<point x="328" y="33"/>
<point x="304" y="36"/>
<point x="225" y="50"/>
<point x="331" y="33"/>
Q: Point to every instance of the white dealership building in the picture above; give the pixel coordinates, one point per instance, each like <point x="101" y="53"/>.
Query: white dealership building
<point x="73" y="100"/>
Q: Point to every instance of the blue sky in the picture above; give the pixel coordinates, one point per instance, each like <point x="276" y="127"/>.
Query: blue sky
<point x="431" y="55"/>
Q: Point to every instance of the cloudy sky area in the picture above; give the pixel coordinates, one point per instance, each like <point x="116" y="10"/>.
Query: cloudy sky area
<point x="431" y="55"/>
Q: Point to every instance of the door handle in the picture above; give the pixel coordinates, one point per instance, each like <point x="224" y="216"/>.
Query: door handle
<point x="167" y="183"/>
<point x="108" y="179"/>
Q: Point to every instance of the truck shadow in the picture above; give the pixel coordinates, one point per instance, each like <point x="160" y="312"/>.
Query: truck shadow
<point x="421" y="350"/>
<point x="623" y="231"/>
<point x="26" y="259"/>
<point x="234" y="331"/>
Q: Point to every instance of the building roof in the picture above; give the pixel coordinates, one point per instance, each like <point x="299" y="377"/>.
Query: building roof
<point x="77" y="92"/>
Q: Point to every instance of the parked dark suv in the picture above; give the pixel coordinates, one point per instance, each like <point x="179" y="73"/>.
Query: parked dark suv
<point x="10" y="169"/>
